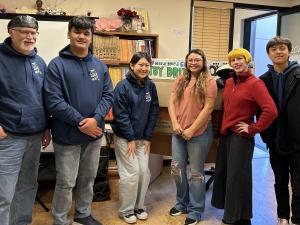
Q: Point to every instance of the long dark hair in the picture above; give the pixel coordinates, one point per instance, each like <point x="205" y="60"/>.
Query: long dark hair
<point x="200" y="85"/>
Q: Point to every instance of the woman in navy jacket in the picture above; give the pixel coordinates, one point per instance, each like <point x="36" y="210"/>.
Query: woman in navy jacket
<point x="135" y="112"/>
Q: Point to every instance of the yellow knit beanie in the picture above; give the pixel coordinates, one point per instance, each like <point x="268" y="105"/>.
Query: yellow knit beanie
<point x="239" y="52"/>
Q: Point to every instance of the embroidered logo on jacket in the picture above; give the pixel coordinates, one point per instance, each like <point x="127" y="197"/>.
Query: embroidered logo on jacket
<point x="36" y="68"/>
<point x="148" y="97"/>
<point x="93" y="74"/>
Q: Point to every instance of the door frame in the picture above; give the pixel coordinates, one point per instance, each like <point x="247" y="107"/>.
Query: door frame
<point x="248" y="27"/>
<point x="285" y="12"/>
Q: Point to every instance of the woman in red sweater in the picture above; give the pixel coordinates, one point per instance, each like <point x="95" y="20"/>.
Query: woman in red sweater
<point x="243" y="95"/>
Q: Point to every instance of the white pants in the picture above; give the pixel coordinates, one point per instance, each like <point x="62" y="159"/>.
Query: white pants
<point x="134" y="176"/>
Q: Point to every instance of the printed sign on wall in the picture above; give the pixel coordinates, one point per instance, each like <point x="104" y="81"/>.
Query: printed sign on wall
<point x="169" y="69"/>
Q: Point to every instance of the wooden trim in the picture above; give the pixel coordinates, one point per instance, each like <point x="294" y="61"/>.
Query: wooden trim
<point x="278" y="25"/>
<point x="294" y="9"/>
<point x="40" y="17"/>
<point x="125" y="34"/>
<point x="261" y="16"/>
<point x="231" y="29"/>
<point x="255" y="6"/>
<point x="191" y="25"/>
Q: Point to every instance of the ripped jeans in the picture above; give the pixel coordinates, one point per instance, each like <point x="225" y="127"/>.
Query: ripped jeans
<point x="190" y="196"/>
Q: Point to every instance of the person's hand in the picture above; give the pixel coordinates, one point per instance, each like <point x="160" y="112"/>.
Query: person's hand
<point x="243" y="127"/>
<point x="147" y="146"/>
<point x="46" y="138"/>
<point x="177" y="128"/>
<point x="89" y="126"/>
<point x="187" y="134"/>
<point x="3" y="134"/>
<point x="131" y="148"/>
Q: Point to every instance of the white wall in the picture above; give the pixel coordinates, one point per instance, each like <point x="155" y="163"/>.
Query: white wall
<point x="168" y="18"/>
<point x="49" y="31"/>
<point x="295" y="2"/>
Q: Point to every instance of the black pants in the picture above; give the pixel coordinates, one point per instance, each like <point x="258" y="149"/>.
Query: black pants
<point x="232" y="190"/>
<point x="283" y="166"/>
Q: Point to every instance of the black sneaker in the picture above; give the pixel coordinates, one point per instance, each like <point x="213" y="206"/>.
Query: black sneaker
<point x="87" y="221"/>
<point x="189" y="221"/>
<point x="175" y="212"/>
<point x="243" y="222"/>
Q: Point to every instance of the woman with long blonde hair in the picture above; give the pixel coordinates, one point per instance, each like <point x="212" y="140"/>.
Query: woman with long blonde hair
<point x="190" y="106"/>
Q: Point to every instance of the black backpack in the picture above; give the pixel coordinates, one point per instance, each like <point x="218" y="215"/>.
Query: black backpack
<point x="101" y="183"/>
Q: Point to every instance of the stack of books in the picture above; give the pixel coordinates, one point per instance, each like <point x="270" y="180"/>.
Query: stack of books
<point x="107" y="48"/>
<point x="112" y="50"/>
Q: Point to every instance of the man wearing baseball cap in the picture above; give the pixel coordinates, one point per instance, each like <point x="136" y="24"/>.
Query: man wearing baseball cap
<point x="23" y="120"/>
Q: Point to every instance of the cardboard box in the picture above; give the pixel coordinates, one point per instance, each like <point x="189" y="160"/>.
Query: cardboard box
<point x="161" y="144"/>
<point x="155" y="166"/>
<point x="164" y="124"/>
<point x="164" y="89"/>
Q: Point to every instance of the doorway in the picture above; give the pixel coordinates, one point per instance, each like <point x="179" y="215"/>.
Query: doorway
<point x="257" y="32"/>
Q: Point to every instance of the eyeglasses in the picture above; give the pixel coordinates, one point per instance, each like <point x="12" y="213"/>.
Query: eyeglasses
<point x="27" y="32"/>
<point x="194" y="60"/>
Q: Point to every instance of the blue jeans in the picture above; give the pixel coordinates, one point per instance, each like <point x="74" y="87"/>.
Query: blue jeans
<point x="19" y="163"/>
<point x="74" y="163"/>
<point x="134" y="176"/>
<point x="190" y="196"/>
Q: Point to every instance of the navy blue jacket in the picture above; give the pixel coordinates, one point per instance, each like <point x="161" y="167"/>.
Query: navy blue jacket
<point x="22" y="108"/>
<point x="135" y="109"/>
<point x="76" y="88"/>
<point x="283" y="136"/>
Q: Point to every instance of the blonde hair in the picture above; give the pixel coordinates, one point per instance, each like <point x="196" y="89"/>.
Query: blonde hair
<point x="200" y="86"/>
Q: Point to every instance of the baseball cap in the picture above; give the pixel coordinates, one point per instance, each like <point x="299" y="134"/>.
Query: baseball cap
<point x="23" y="21"/>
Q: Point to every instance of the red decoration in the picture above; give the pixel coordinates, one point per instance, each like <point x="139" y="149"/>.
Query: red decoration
<point x="127" y="13"/>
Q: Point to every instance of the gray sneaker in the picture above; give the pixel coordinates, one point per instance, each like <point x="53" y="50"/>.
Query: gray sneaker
<point x="141" y="214"/>
<point x="131" y="218"/>
<point x="89" y="220"/>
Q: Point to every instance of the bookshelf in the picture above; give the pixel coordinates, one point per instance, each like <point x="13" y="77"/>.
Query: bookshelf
<point x="115" y="49"/>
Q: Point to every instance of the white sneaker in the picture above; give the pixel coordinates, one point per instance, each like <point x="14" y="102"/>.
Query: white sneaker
<point x="131" y="218"/>
<point x="141" y="214"/>
<point x="282" y="222"/>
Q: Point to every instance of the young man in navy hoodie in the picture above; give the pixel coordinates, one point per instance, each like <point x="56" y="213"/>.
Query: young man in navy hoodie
<point x="23" y="120"/>
<point x="78" y="94"/>
<point x="283" y="136"/>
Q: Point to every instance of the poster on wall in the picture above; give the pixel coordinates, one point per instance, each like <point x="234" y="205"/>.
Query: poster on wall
<point x="169" y="69"/>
